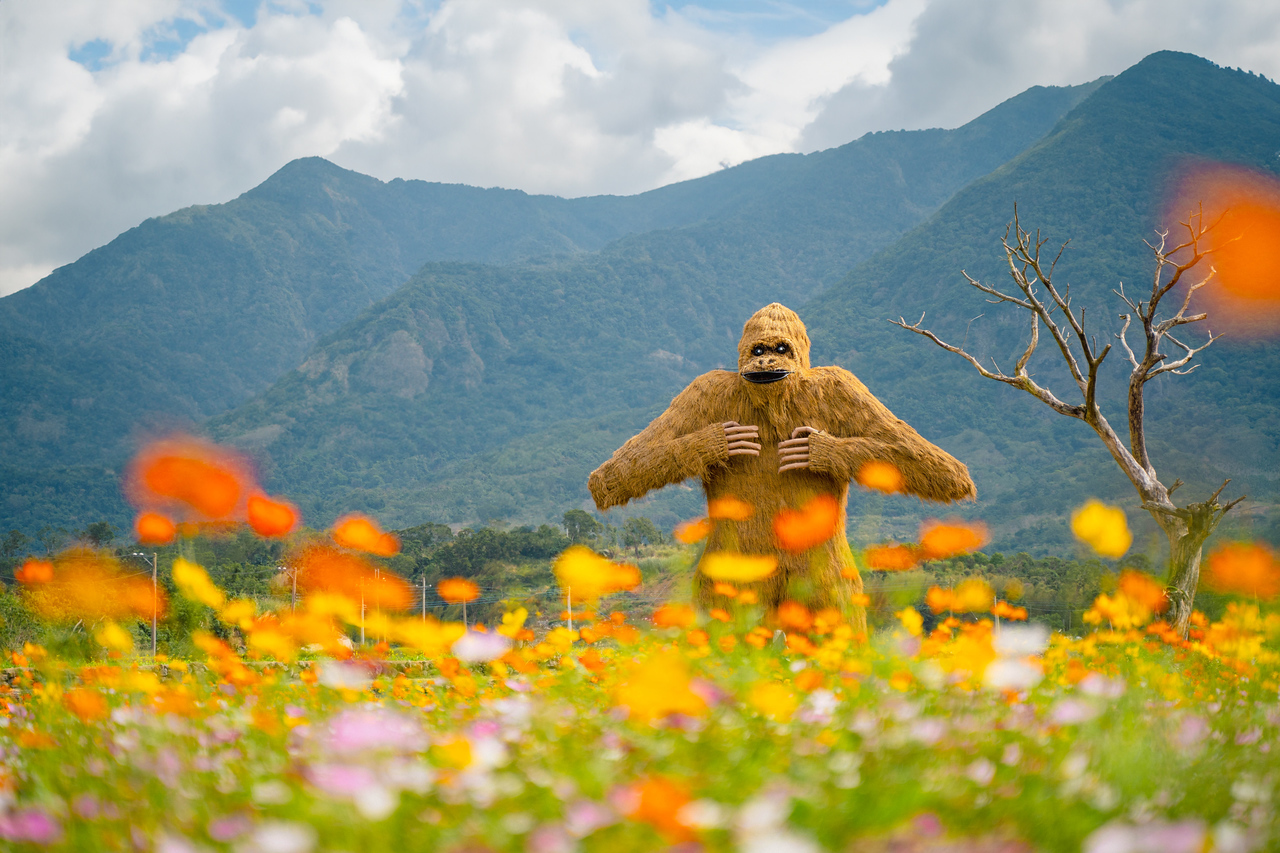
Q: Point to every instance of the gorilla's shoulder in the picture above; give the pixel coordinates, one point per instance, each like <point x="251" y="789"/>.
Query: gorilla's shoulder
<point x="715" y="382"/>
<point x="833" y="378"/>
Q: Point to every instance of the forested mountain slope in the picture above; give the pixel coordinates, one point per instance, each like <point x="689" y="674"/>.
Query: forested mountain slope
<point x="479" y="392"/>
<point x="190" y="314"/>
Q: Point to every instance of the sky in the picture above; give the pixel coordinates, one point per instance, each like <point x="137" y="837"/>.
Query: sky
<point x="115" y="111"/>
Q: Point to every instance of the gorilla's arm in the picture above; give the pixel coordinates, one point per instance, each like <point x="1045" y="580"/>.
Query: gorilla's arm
<point x="870" y="432"/>
<point x="685" y="441"/>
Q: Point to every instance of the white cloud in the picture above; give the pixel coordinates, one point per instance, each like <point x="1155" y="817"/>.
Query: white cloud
<point x="966" y="57"/>
<point x="573" y="97"/>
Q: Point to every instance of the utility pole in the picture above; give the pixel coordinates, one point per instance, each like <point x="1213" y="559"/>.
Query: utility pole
<point x="155" y="597"/>
<point x="424" y="598"/>
<point x="293" y="603"/>
<point x="568" y="592"/>
<point x="155" y="603"/>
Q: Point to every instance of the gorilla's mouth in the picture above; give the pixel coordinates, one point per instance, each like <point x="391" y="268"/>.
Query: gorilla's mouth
<point x="762" y="377"/>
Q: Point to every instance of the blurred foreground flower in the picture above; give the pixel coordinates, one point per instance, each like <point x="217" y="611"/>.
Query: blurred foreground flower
<point x="588" y="576"/>
<point x="1103" y="528"/>
<point x="324" y="568"/>
<point x="1137" y="599"/>
<point x="1244" y="569"/>
<point x="34" y="571"/>
<point x="659" y="686"/>
<point x="478" y="647"/>
<point x="738" y="568"/>
<point x="809" y="526"/>
<point x="939" y="541"/>
<point x="189" y="475"/>
<point x="194" y="583"/>
<point x="892" y="558"/>
<point x="690" y="532"/>
<point x="880" y="476"/>
<point x="152" y="528"/>
<point x="89" y="585"/>
<point x="973" y="595"/>
<point x="729" y="508"/>
<point x="363" y="534"/>
<point x="271" y="517"/>
<point x="457" y="590"/>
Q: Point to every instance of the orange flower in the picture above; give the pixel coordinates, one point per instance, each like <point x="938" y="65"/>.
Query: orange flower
<point x="674" y="616"/>
<point x="794" y="616"/>
<point x="1145" y="590"/>
<point x="34" y="571"/>
<point x="730" y="509"/>
<point x="88" y="705"/>
<point x="362" y="533"/>
<point x="690" y="532"/>
<point x="728" y="590"/>
<point x="152" y="528"/>
<point x="271" y="518"/>
<point x="892" y="558"/>
<point x="881" y="476"/>
<point x="188" y="473"/>
<point x="738" y="568"/>
<point x="457" y="590"/>
<point x="939" y="541"/>
<point x="323" y="568"/>
<point x="1244" y="569"/>
<point x="88" y="584"/>
<point x="808" y="527"/>
<point x="658" y="803"/>
<point x="1005" y="610"/>
<point x="971" y="596"/>
<point x="587" y="575"/>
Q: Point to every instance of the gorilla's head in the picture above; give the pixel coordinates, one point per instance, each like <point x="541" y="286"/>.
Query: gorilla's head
<point x="774" y="345"/>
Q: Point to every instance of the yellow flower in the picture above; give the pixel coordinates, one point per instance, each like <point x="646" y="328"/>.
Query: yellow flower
<point x="512" y="622"/>
<point x="195" y="584"/>
<point x="911" y="620"/>
<point x="738" y="568"/>
<point x="112" y="636"/>
<point x="587" y="575"/>
<point x="1103" y="528"/>
<point x="774" y="700"/>
<point x="239" y="613"/>
<point x="271" y="641"/>
<point x="660" y="686"/>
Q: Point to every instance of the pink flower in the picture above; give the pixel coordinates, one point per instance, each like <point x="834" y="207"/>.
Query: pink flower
<point x="478" y="647"/>
<point x="29" y="825"/>
<point x="371" y="729"/>
<point x="341" y="780"/>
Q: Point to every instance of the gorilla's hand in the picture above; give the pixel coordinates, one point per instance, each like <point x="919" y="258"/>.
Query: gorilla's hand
<point x="793" y="453"/>
<point x="743" y="440"/>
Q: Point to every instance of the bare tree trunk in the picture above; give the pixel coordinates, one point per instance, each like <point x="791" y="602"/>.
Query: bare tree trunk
<point x="1187" y="528"/>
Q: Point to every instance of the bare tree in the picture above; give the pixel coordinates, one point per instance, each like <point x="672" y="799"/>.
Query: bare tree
<point x="1187" y="527"/>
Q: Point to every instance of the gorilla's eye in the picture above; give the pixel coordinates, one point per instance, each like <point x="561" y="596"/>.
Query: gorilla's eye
<point x="782" y="349"/>
<point x="758" y="349"/>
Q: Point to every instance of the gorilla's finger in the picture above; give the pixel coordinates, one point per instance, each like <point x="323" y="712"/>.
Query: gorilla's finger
<point x="793" y="466"/>
<point x="794" y="442"/>
<point x="803" y="430"/>
<point x="744" y="451"/>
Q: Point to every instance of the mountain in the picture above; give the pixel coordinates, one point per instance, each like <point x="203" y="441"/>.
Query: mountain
<point x="191" y="314"/>
<point x="478" y="392"/>
<point x="1102" y="180"/>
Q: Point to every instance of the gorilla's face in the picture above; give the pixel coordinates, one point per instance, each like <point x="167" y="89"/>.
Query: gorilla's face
<point x="769" y="359"/>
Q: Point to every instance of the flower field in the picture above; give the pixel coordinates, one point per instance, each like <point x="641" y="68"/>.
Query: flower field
<point x="957" y="728"/>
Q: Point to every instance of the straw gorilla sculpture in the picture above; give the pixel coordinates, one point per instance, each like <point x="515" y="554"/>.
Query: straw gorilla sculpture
<point x="776" y="434"/>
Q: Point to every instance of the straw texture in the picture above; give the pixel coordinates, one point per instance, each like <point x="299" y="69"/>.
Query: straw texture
<point x="687" y="441"/>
